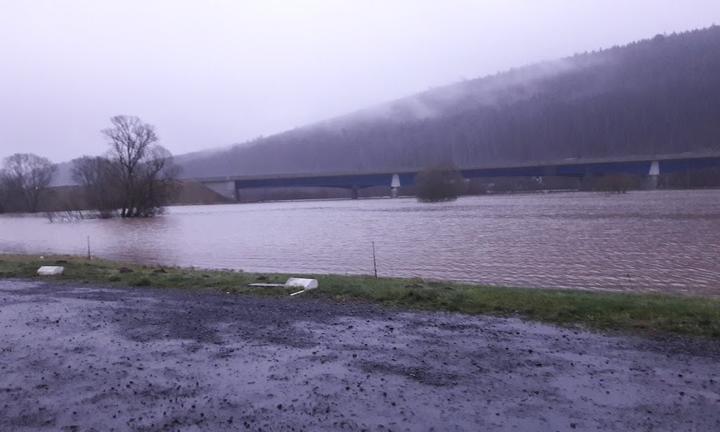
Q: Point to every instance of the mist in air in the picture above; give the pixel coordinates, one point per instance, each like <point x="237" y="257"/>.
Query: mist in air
<point x="211" y="74"/>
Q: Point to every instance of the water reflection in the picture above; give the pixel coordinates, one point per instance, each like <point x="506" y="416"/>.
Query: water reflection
<point x="664" y="241"/>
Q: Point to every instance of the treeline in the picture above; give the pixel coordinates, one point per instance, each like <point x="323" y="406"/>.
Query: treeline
<point x="136" y="178"/>
<point x="24" y="179"/>
<point x="658" y="96"/>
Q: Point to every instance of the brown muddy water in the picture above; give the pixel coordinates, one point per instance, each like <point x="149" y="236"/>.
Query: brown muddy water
<point x="665" y="241"/>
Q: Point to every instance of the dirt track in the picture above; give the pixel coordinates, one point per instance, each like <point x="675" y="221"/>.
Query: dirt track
<point x="88" y="358"/>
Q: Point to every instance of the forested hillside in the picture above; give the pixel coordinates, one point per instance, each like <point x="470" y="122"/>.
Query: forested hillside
<point x="660" y="95"/>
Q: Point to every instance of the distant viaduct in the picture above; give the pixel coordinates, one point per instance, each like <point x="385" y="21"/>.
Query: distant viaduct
<point x="650" y="166"/>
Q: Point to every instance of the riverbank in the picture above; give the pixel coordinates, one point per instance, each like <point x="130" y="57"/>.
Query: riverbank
<point x="647" y="314"/>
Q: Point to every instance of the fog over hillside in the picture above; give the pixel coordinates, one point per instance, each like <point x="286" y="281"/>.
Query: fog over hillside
<point x="657" y="96"/>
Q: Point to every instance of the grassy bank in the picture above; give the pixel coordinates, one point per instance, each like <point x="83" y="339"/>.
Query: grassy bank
<point x="625" y="312"/>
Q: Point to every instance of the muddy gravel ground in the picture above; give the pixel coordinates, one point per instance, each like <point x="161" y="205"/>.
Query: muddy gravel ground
<point x="83" y="358"/>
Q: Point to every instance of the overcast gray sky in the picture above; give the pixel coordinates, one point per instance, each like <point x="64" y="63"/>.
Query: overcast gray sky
<point x="212" y="73"/>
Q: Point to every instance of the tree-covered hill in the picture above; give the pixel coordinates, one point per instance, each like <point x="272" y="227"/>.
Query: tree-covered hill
<point x="657" y="96"/>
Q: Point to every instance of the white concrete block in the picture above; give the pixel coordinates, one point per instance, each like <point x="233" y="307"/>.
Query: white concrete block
<point x="306" y="284"/>
<point x="50" y="270"/>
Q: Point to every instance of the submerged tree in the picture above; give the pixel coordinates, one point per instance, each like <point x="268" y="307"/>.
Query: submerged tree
<point x="4" y="196"/>
<point x="130" y="142"/>
<point x="156" y="181"/>
<point x="137" y="177"/>
<point x="98" y="176"/>
<point x="24" y="178"/>
<point x="439" y="184"/>
<point x="146" y="170"/>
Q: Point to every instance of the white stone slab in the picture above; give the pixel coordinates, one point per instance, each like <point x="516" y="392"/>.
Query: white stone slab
<point x="50" y="270"/>
<point x="306" y="284"/>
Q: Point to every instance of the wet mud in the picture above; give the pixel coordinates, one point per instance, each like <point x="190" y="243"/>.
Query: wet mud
<point x="84" y="358"/>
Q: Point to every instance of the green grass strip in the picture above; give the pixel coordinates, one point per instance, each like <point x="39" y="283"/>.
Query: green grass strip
<point x="643" y="313"/>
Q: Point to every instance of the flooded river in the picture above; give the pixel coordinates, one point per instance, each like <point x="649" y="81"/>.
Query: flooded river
<point x="641" y="241"/>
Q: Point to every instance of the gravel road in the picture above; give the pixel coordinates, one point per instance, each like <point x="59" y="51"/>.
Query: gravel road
<point x="86" y="358"/>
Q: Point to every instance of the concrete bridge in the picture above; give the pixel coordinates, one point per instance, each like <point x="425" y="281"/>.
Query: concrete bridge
<point x="650" y="166"/>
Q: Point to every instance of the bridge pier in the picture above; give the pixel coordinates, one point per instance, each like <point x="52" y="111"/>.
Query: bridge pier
<point x="226" y="188"/>
<point x="394" y="186"/>
<point x="651" y="181"/>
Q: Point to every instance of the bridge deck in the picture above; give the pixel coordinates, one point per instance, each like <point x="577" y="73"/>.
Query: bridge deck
<point x="566" y="167"/>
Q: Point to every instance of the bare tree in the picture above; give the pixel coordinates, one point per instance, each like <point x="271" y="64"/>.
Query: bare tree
<point x="25" y="176"/>
<point x="156" y="181"/>
<point x="98" y="177"/>
<point x="145" y="171"/>
<point x="130" y="139"/>
<point x="4" y="195"/>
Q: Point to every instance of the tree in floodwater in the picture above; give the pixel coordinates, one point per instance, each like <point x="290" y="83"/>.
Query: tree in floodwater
<point x="138" y="176"/>
<point x="4" y="196"/>
<point x="24" y="178"/>
<point x="146" y="172"/>
<point x="98" y="176"/>
<point x="156" y="182"/>
<point x="439" y="184"/>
